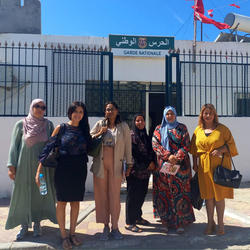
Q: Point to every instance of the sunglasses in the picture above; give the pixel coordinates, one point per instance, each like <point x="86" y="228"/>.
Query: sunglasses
<point x="37" y="106"/>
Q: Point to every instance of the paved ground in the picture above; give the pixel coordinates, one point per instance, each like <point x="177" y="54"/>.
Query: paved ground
<point x="237" y="220"/>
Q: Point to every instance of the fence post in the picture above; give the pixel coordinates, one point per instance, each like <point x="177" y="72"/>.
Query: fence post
<point x="110" y="76"/>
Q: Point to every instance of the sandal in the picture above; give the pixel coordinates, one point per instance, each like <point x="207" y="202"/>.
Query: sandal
<point x="220" y="231"/>
<point x="210" y="229"/>
<point x="142" y="221"/>
<point x="75" y="240"/>
<point x="66" y="245"/>
<point x="133" y="228"/>
<point x="180" y="230"/>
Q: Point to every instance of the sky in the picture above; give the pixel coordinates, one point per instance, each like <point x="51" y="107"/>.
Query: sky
<point x="134" y="17"/>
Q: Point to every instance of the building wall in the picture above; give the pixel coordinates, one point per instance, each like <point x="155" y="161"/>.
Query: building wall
<point x="20" y="16"/>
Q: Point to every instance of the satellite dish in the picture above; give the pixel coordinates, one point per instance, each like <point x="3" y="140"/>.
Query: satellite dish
<point x="238" y="22"/>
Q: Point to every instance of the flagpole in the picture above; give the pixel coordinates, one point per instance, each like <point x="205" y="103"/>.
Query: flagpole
<point x="201" y="31"/>
<point x="195" y="26"/>
<point x="194" y="41"/>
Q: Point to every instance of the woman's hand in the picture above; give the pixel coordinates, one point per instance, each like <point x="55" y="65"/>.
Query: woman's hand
<point x="151" y="166"/>
<point x="173" y="159"/>
<point x="217" y="153"/>
<point x="103" y="130"/>
<point x="12" y="172"/>
<point x="128" y="170"/>
<point x="195" y="168"/>
<point x="37" y="174"/>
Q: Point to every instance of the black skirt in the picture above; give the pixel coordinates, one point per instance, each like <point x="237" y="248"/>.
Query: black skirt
<point x="70" y="178"/>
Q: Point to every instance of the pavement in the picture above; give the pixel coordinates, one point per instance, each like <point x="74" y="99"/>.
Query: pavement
<point x="237" y="228"/>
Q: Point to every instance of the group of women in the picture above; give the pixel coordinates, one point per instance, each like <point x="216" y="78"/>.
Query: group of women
<point x="166" y="156"/>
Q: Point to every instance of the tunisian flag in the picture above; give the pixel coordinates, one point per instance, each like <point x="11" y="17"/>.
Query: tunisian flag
<point x="199" y="7"/>
<point x="199" y="14"/>
<point x="205" y="19"/>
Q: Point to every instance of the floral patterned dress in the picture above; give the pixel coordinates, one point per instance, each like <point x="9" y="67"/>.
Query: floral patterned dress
<point x="171" y="193"/>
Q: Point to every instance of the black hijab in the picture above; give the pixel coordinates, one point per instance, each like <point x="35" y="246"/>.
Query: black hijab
<point x="141" y="135"/>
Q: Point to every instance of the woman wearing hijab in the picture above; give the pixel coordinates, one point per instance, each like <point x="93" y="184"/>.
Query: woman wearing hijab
<point x="171" y="183"/>
<point x="27" y="205"/>
<point x="137" y="181"/>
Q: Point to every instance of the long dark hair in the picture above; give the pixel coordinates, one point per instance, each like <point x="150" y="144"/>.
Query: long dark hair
<point x="118" y="117"/>
<point x="84" y="123"/>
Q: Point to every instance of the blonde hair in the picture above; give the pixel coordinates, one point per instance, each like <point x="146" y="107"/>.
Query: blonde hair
<point x="211" y="107"/>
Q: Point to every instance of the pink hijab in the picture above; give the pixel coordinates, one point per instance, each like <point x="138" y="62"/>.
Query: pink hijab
<point x="35" y="130"/>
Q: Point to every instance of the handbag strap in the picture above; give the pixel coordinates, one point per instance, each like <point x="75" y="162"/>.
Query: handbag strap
<point x="60" y="133"/>
<point x="230" y="157"/>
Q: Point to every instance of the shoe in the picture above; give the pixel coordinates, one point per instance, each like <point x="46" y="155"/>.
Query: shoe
<point x="210" y="229"/>
<point x="22" y="232"/>
<point x="66" y="244"/>
<point x="105" y="233"/>
<point x="133" y="228"/>
<point x="220" y="231"/>
<point x="75" y="240"/>
<point x="37" y="230"/>
<point x="180" y="230"/>
<point x="142" y="221"/>
<point x="116" y="234"/>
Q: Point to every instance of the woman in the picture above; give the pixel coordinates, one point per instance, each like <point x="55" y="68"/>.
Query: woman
<point x="27" y="205"/>
<point x="107" y="168"/>
<point x="71" y="172"/>
<point x="208" y="144"/>
<point x="171" y="194"/>
<point x="137" y="181"/>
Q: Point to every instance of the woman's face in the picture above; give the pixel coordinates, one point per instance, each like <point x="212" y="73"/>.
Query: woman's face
<point x="39" y="110"/>
<point x="77" y="115"/>
<point x="170" y="116"/>
<point x="208" y="115"/>
<point x="111" y="112"/>
<point x="139" y="122"/>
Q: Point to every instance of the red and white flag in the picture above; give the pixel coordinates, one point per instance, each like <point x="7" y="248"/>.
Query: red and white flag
<point x="205" y="19"/>
<point x="210" y="12"/>
<point x="234" y="5"/>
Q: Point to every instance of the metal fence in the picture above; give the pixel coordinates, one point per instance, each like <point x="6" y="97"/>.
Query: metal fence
<point x="220" y="79"/>
<point x="59" y="74"/>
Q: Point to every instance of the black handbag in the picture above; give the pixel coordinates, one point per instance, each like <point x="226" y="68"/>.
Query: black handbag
<point x="51" y="160"/>
<point x="227" y="177"/>
<point x="196" y="199"/>
<point x="95" y="146"/>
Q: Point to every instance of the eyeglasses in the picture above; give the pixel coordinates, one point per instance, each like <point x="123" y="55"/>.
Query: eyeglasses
<point x="109" y="109"/>
<point x="37" y="106"/>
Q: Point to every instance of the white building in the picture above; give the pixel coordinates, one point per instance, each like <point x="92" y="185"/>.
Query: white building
<point x="141" y="71"/>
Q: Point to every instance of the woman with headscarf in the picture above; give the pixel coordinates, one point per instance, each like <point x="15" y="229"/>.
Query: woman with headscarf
<point x="171" y="182"/>
<point x="137" y="181"/>
<point x="27" y="205"/>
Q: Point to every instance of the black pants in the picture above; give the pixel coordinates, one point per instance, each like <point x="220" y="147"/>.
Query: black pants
<point x="136" y="193"/>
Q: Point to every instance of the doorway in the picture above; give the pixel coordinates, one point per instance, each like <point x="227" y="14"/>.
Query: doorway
<point x="156" y="106"/>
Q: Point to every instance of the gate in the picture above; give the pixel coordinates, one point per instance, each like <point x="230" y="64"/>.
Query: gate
<point x="222" y="80"/>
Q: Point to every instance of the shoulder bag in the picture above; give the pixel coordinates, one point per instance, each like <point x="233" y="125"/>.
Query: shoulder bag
<point x="96" y="143"/>
<point x="196" y="199"/>
<point x="51" y="161"/>
<point x="227" y="177"/>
